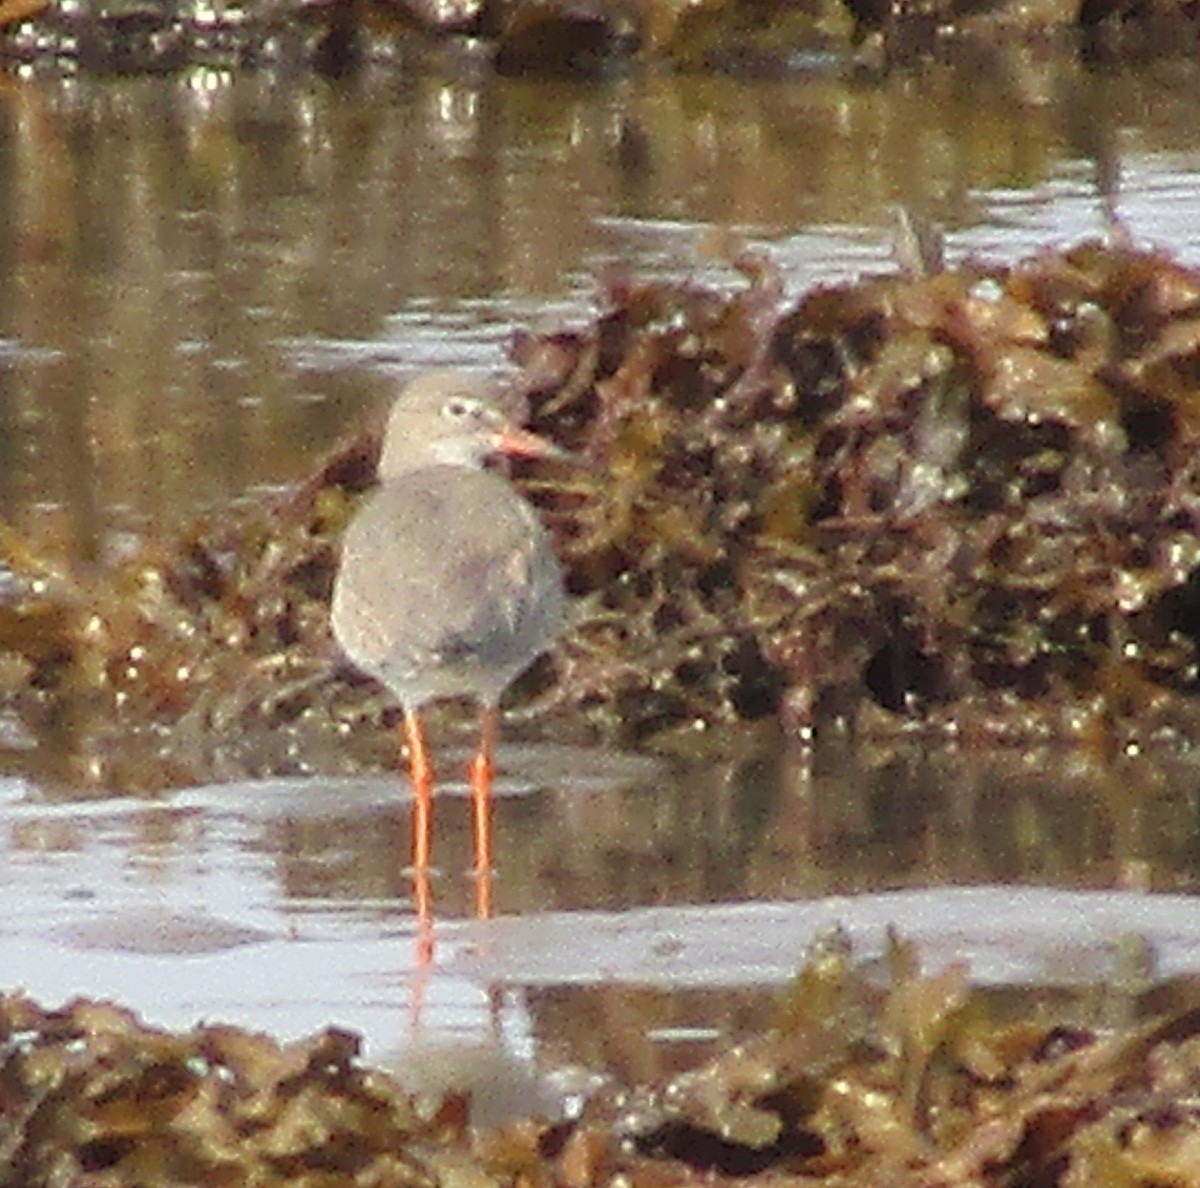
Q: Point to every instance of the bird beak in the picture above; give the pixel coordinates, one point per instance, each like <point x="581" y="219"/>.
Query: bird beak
<point x="520" y="443"/>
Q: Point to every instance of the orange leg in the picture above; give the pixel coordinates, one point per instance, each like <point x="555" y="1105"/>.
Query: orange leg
<point x="422" y="779"/>
<point x="482" y="775"/>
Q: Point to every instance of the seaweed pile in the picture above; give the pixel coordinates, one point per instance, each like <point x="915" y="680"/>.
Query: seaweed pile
<point x="966" y="501"/>
<point x="904" y="1080"/>
<point x="918" y="1081"/>
<point x="567" y="37"/>
<point x="91" y="1096"/>
<point x="964" y="504"/>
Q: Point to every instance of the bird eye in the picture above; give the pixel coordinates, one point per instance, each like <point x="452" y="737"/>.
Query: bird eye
<point x="458" y="408"/>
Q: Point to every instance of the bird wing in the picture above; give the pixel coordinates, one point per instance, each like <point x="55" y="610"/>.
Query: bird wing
<point x="508" y="582"/>
<point x="457" y="576"/>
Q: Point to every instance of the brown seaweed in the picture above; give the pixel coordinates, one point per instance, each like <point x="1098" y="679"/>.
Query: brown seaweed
<point x="965" y="504"/>
<point x="866" y="1076"/>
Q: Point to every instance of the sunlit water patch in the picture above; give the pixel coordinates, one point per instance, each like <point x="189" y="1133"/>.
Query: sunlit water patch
<point x="1155" y="198"/>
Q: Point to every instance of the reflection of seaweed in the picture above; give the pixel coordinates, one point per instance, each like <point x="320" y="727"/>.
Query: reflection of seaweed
<point x="877" y="1076"/>
<point x="964" y="502"/>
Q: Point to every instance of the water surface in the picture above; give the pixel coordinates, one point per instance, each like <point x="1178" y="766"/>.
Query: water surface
<point x="209" y="278"/>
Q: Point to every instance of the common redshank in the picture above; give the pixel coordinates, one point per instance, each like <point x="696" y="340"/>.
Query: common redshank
<point x="448" y="585"/>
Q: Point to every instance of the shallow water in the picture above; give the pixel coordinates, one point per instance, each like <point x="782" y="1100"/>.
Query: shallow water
<point x="643" y="909"/>
<point x="209" y="278"/>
